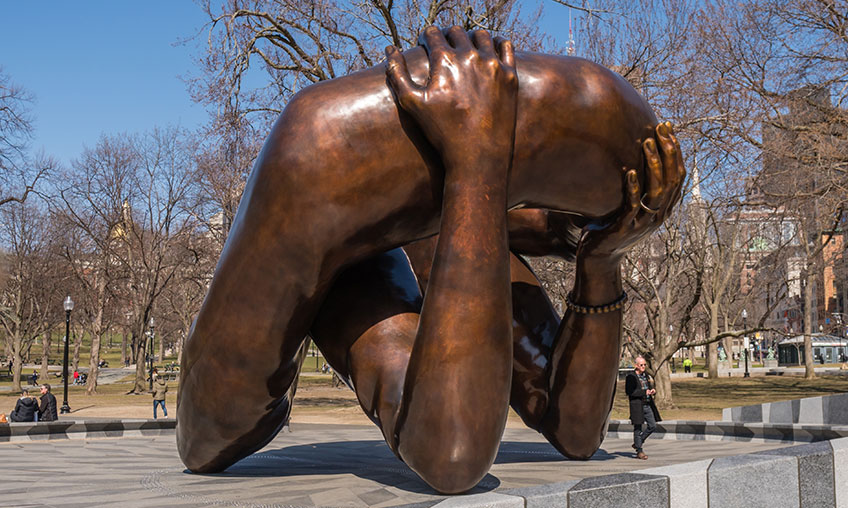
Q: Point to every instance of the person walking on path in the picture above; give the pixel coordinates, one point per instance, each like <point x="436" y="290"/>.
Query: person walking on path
<point x="25" y="409"/>
<point x="643" y="411"/>
<point x="687" y="365"/>
<point x="47" y="412"/>
<point x="160" y="388"/>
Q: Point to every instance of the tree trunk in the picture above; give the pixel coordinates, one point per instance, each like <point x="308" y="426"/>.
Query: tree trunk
<point x="77" y="344"/>
<point x="45" y="356"/>
<point x="727" y="344"/>
<point x="809" y="370"/>
<point x="123" y="348"/>
<point x="96" y="340"/>
<point x="662" y="380"/>
<point x="712" y="347"/>
<point x="162" y="348"/>
<point x="141" y="385"/>
<point x="179" y="346"/>
<point x="712" y="360"/>
<point x="93" y="365"/>
<point x="134" y="347"/>
<point x="18" y="366"/>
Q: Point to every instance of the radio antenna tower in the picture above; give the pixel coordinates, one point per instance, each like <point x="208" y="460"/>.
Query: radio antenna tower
<point x="570" y="35"/>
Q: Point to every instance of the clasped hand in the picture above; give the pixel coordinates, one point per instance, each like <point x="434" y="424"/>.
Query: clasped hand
<point x="471" y="89"/>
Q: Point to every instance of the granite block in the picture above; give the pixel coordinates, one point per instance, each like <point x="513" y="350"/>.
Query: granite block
<point x="727" y="414"/>
<point x="778" y="431"/>
<point x="552" y="495"/>
<point x="815" y="471"/>
<point x="485" y="500"/>
<point x="840" y="470"/>
<point x="811" y="410"/>
<point x="781" y="412"/>
<point x="750" y="414"/>
<point x="691" y="429"/>
<point x="48" y="430"/>
<point x="732" y="431"/>
<point x="113" y="428"/>
<point x="835" y="409"/>
<point x="687" y="483"/>
<point x="754" y="481"/>
<point x="625" y="489"/>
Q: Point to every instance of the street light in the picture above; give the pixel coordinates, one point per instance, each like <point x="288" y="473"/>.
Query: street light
<point x="745" y="327"/>
<point x="152" y="325"/>
<point x="68" y="305"/>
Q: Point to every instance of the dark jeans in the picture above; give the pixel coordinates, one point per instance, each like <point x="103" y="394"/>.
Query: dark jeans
<point x="164" y="411"/>
<point x="639" y="435"/>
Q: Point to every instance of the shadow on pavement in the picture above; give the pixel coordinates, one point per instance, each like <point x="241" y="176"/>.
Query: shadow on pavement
<point x="372" y="460"/>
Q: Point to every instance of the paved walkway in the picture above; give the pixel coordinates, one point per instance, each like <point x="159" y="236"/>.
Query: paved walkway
<point x="105" y="377"/>
<point x="315" y="465"/>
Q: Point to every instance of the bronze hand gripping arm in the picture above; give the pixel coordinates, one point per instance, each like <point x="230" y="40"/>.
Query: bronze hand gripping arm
<point x="456" y="391"/>
<point x="343" y="177"/>
<point x="582" y="365"/>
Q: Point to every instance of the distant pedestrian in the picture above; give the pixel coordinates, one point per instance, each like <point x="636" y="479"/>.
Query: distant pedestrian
<point x="687" y="365"/>
<point x="643" y="411"/>
<point x="33" y="379"/>
<point x="160" y="388"/>
<point x="47" y="412"/>
<point x="26" y="408"/>
<point x="76" y="376"/>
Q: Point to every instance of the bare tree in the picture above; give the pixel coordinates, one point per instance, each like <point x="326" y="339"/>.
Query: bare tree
<point x="297" y="43"/>
<point x="182" y="299"/>
<point x="94" y="196"/>
<point x="259" y="53"/>
<point x="30" y="290"/>
<point x="19" y="173"/>
<point x="791" y="60"/>
<point x="128" y="198"/>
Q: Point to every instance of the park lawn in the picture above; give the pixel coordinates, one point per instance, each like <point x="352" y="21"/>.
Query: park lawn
<point x="703" y="398"/>
<point x="110" y="401"/>
<point x="317" y="401"/>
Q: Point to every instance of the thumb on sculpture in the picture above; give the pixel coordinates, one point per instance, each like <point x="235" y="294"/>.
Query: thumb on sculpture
<point x="407" y="92"/>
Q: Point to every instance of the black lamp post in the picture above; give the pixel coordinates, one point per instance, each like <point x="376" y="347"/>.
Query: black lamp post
<point x="68" y="304"/>
<point x="152" y="325"/>
<point x="745" y="342"/>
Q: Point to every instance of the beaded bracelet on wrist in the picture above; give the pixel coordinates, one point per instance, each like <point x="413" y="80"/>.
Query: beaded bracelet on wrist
<point x="596" y="309"/>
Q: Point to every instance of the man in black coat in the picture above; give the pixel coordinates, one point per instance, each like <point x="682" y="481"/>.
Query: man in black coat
<point x="25" y="409"/>
<point x="642" y="408"/>
<point x="47" y="412"/>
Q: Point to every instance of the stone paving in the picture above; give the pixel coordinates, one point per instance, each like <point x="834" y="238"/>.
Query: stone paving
<point x="314" y="465"/>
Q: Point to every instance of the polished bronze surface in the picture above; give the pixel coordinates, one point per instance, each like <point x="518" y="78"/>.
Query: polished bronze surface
<point x="355" y="168"/>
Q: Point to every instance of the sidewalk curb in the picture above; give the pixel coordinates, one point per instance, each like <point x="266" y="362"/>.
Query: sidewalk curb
<point x="72" y="429"/>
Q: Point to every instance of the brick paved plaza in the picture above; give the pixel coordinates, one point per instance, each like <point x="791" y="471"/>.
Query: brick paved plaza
<point x="315" y="465"/>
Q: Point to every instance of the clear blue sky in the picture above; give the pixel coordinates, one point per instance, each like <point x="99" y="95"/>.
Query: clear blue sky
<point x="100" y="66"/>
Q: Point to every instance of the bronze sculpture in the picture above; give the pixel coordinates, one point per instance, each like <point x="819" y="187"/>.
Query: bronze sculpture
<point x="351" y="171"/>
